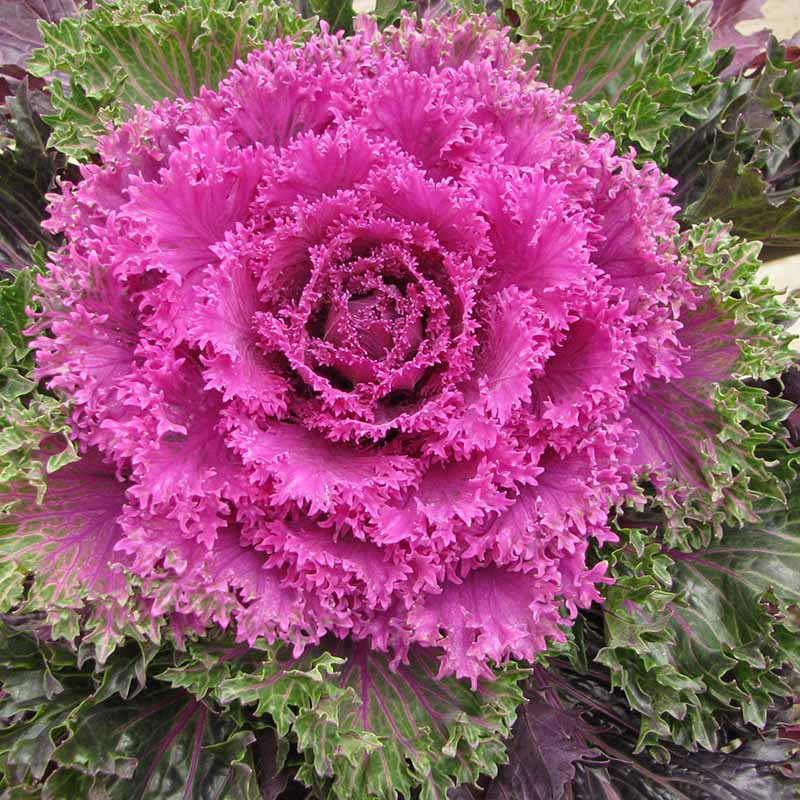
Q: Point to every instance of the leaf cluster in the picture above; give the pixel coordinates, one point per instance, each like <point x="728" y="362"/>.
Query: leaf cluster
<point x="639" y="70"/>
<point x="219" y="719"/>
<point x="741" y="163"/>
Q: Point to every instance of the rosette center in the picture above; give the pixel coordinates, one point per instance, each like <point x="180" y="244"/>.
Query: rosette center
<point x="374" y="320"/>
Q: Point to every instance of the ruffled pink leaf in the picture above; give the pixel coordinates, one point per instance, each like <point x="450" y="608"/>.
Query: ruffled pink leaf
<point x="223" y="322"/>
<point x="446" y="42"/>
<point x="634" y="243"/>
<point x="489" y="615"/>
<point x="321" y="475"/>
<point x="267" y="606"/>
<point x="416" y="112"/>
<point x="585" y="370"/>
<point x="317" y="165"/>
<point x="516" y="348"/>
<point x="281" y="92"/>
<point x="343" y="571"/>
<point x="204" y="191"/>
<point x="539" y="238"/>
<point x="184" y="468"/>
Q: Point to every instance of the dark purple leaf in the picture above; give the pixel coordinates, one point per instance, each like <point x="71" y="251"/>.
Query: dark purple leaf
<point x="750" y="764"/>
<point x="547" y="742"/>
<point x="19" y="26"/>
<point x="272" y="778"/>
<point x="28" y="170"/>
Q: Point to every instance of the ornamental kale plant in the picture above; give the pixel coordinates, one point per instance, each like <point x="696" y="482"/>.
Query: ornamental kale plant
<point x="365" y="342"/>
<point x="369" y="369"/>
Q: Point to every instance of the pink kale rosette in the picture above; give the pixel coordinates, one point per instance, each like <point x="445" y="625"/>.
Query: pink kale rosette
<point x="359" y="345"/>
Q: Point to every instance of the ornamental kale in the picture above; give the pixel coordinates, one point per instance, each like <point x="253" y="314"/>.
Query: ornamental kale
<point x="368" y="342"/>
<point x="362" y="388"/>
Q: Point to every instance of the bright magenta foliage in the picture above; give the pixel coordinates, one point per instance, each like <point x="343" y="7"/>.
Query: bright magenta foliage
<point x="367" y="337"/>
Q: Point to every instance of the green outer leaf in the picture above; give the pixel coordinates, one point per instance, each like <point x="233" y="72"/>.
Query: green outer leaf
<point x="130" y="52"/>
<point x="669" y="646"/>
<point x="206" y="664"/>
<point x="15" y="297"/>
<point x="639" y="69"/>
<point x="387" y="12"/>
<point x="362" y="730"/>
<point x="286" y="688"/>
<point x="33" y="704"/>
<point x="34" y="442"/>
<point x="111" y="735"/>
<point x="370" y="732"/>
<point x="163" y="745"/>
<point x="727" y="267"/>
<point x="33" y="432"/>
<point x="20" y="19"/>
<point x="711" y="636"/>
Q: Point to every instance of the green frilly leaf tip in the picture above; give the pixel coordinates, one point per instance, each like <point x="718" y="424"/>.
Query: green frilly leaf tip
<point x="368" y="731"/>
<point x="639" y="70"/>
<point x="136" y="52"/>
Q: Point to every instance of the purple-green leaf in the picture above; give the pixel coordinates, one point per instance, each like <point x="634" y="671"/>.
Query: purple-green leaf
<point x="714" y="638"/>
<point x="740" y="163"/>
<point x="118" y="55"/>
<point x="367" y="730"/>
